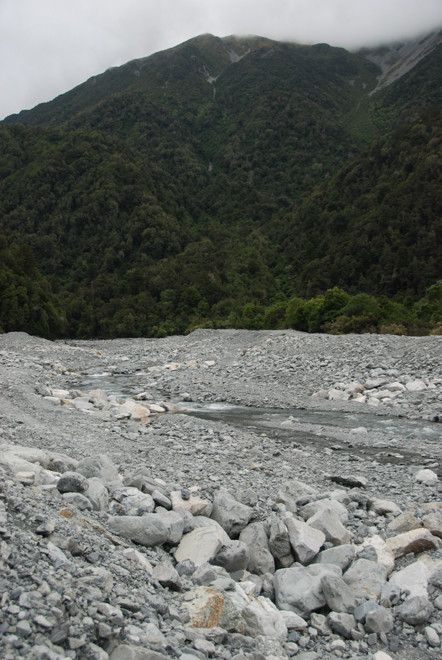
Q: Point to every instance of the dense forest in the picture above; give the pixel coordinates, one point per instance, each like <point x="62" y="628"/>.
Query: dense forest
<point x="226" y="183"/>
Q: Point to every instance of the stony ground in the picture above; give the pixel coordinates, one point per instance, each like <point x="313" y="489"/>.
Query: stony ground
<point x="80" y="579"/>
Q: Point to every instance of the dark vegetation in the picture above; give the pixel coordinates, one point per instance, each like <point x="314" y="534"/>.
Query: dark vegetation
<point x="152" y="199"/>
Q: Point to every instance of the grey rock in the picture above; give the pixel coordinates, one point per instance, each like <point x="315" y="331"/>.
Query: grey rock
<point x="260" y="558"/>
<point x="328" y="522"/>
<point x="299" y="588"/>
<point x="175" y="523"/>
<point x="72" y="482"/>
<point x="200" y="546"/>
<point x="233" y="556"/>
<point x="328" y="505"/>
<point x="100" y="467"/>
<point x="129" y="501"/>
<point x="342" y="623"/>
<point x="229" y="513"/>
<point x="167" y="576"/>
<point x="263" y="618"/>
<point x="379" y="621"/>
<point x="78" y="500"/>
<point x="338" y="596"/>
<point x="362" y="610"/>
<point x="128" y="652"/>
<point x="415" y="610"/>
<point x="432" y="637"/>
<point x="366" y="578"/>
<point x="341" y="555"/>
<point x="97" y="494"/>
<point x="148" y="530"/>
<point x="305" y="540"/>
<point x="279" y="541"/>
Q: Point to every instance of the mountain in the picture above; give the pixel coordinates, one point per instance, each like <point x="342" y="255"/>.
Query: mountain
<point x="179" y="188"/>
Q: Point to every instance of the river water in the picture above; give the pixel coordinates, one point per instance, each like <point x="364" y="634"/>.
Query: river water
<point x="387" y="438"/>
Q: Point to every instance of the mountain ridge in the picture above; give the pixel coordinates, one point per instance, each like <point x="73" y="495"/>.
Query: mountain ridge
<point x="226" y="161"/>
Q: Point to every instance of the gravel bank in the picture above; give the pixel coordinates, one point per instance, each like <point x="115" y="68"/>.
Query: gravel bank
<point x="45" y="405"/>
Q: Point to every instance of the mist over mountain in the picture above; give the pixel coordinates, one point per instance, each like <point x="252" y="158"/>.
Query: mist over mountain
<point x="210" y="182"/>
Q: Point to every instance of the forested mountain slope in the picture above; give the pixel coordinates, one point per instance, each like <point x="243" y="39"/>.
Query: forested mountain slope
<point x="177" y="189"/>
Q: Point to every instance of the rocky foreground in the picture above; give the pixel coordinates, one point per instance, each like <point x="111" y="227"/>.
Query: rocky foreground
<point x="131" y="531"/>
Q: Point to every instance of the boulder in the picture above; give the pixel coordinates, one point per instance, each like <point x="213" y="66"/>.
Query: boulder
<point x="384" y="507"/>
<point x="427" y="477"/>
<point x="72" y="482"/>
<point x="415" y="610"/>
<point x="262" y="617"/>
<point x="299" y="588"/>
<point x="230" y="514"/>
<point x="338" y="596"/>
<point x="366" y="578"/>
<point x="384" y="554"/>
<point x="306" y="541"/>
<point x="279" y="541"/>
<point x="195" y="505"/>
<point x="200" y="546"/>
<point x="328" y="505"/>
<point x="129" y="501"/>
<point x="260" y="558"/>
<point x="413" y="579"/>
<point x="379" y="621"/>
<point x="340" y="555"/>
<point x="417" y="540"/>
<point x="328" y="522"/>
<point x="405" y="522"/>
<point x="97" y="494"/>
<point x="99" y="466"/>
<point x="433" y="522"/>
<point x="234" y="556"/>
<point x="342" y="623"/>
<point x="147" y="530"/>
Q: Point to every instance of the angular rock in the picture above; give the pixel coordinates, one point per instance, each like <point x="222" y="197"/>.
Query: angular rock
<point x="230" y="514"/>
<point x="293" y="621"/>
<point x="415" y="541"/>
<point x="99" y="466"/>
<point x="72" y="482"/>
<point x="263" y="618"/>
<point x="354" y="481"/>
<point x="360" y="612"/>
<point x="384" y="554"/>
<point x="200" y="546"/>
<point x="415" y="610"/>
<point x="78" y="500"/>
<point x="279" y="542"/>
<point x="167" y="575"/>
<point x="342" y="623"/>
<point x="233" y="556"/>
<point x="340" y="555"/>
<point x="413" y="579"/>
<point x="299" y="588"/>
<point x="175" y="524"/>
<point x="330" y="525"/>
<point x="379" y="621"/>
<point x="433" y="522"/>
<point x="328" y="505"/>
<point x="366" y="578"/>
<point x="405" y="522"/>
<point x="338" y="596"/>
<point x="129" y="652"/>
<point x="384" y="507"/>
<point x="129" y="501"/>
<point x="195" y="505"/>
<point x="148" y="530"/>
<point x="97" y="494"/>
<point x="306" y="541"/>
<point x="260" y="558"/>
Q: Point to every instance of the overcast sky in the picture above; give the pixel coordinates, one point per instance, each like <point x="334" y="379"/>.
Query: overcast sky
<point x="49" y="46"/>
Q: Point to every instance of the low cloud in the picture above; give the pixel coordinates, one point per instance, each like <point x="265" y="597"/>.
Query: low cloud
<point x="49" y="46"/>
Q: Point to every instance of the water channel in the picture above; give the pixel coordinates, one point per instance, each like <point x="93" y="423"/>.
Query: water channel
<point x="385" y="438"/>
